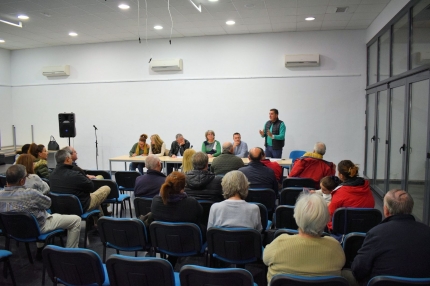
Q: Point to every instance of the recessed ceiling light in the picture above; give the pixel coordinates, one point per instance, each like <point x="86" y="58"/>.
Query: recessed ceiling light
<point x="73" y="34"/>
<point x="230" y="22"/>
<point x="123" y="6"/>
<point x="23" y="17"/>
<point x="310" y="18"/>
<point x="250" y="5"/>
<point x="2" y="41"/>
<point x="213" y="0"/>
<point x="158" y="27"/>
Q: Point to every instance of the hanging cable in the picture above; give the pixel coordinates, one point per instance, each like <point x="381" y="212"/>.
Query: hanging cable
<point x="138" y="20"/>
<point x="146" y="30"/>
<point x="171" y="19"/>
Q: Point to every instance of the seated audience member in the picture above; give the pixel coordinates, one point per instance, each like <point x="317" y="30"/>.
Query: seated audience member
<point x="227" y="161"/>
<point x="139" y="149"/>
<point x="187" y="160"/>
<point x="32" y="181"/>
<point x="157" y="147"/>
<point x="327" y="185"/>
<point x="24" y="150"/>
<point x="149" y="185"/>
<point x="211" y="146"/>
<point x="398" y="246"/>
<point x="16" y="198"/>
<point x="258" y="175"/>
<point x="353" y="192"/>
<point x="177" y="148"/>
<point x="65" y="180"/>
<point x="74" y="156"/>
<point x="200" y="183"/>
<point x="272" y="165"/>
<point x="235" y="211"/>
<point x="307" y="253"/>
<point x="312" y="165"/>
<point x="240" y="148"/>
<point x="40" y="155"/>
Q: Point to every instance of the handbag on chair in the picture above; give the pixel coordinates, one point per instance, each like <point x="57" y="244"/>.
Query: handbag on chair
<point x="53" y="145"/>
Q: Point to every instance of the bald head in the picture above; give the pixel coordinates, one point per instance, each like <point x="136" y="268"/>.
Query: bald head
<point x="397" y="202"/>
<point x="255" y="154"/>
<point x="227" y="147"/>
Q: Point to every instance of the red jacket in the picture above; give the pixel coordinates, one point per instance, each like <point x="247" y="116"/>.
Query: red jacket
<point x="356" y="196"/>
<point x="316" y="169"/>
<point x="275" y="167"/>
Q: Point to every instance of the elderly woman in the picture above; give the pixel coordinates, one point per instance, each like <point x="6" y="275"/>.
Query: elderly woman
<point x="307" y="253"/>
<point x="187" y="162"/>
<point x="139" y="149"/>
<point x="157" y="147"/>
<point x="32" y="180"/>
<point x="353" y="192"/>
<point x="211" y="146"/>
<point x="40" y="154"/>
<point x="235" y="211"/>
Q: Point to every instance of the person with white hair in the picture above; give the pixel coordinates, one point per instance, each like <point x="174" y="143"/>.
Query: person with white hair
<point x="307" y="253"/>
<point x="149" y="185"/>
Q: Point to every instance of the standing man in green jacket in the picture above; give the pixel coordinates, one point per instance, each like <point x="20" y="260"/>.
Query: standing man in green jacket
<point x="274" y="135"/>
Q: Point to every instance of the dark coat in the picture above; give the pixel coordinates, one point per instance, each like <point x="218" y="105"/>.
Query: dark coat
<point x="149" y="185"/>
<point x="203" y="185"/>
<point x="176" y="147"/>
<point x="225" y="163"/>
<point x="260" y="176"/>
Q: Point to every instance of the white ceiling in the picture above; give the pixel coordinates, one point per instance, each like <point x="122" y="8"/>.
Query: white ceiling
<point x="98" y="21"/>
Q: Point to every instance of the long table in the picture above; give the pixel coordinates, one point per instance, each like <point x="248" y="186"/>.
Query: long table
<point x="166" y="159"/>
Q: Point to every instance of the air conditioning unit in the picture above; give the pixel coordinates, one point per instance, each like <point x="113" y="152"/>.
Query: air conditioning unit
<point x="56" y="71"/>
<point x="166" y="65"/>
<point x="305" y="60"/>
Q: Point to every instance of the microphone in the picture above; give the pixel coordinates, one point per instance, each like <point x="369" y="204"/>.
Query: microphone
<point x="95" y="127"/>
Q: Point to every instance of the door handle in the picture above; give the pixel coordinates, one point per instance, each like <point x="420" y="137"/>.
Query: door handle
<point x="402" y="148"/>
<point x="372" y="139"/>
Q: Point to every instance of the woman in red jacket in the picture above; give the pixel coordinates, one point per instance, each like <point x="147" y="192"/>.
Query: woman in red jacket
<point x="353" y="192"/>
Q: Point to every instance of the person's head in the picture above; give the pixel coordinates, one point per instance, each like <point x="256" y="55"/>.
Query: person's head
<point x="27" y="161"/>
<point x="273" y="114"/>
<point x="156" y="140"/>
<point x="397" y="202"/>
<point x="237" y="137"/>
<point x="210" y="135"/>
<point x="24" y="149"/>
<point x="63" y="157"/>
<point x="174" y="184"/>
<point x="15" y="175"/>
<point x="263" y="154"/>
<point x="72" y="152"/>
<point x="347" y="170"/>
<point x="328" y="184"/>
<point x="200" y="161"/>
<point x="179" y="138"/>
<point x="142" y="141"/>
<point x="227" y="147"/>
<point x="319" y="148"/>
<point x="153" y="163"/>
<point x="235" y="183"/>
<point x="255" y="154"/>
<point x="187" y="161"/>
<point x="311" y="214"/>
<point x="38" y="151"/>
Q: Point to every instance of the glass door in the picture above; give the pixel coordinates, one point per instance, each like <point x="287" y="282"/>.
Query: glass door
<point x="381" y="142"/>
<point x="370" y="136"/>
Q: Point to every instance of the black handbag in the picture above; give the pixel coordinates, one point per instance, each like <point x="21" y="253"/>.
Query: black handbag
<point x="53" y="145"/>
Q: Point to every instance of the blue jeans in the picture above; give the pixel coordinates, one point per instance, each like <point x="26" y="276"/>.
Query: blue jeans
<point x="273" y="153"/>
<point x="139" y="166"/>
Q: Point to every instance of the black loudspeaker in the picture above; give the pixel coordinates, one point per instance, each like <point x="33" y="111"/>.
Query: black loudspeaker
<point x="66" y="122"/>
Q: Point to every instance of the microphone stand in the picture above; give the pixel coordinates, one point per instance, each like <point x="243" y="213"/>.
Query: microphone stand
<point x="97" y="149"/>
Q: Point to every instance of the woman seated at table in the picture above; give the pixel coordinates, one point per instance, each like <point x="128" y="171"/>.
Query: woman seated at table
<point x="211" y="146"/>
<point x="139" y="149"/>
<point x="157" y="147"/>
<point x="32" y="180"/>
<point x="307" y="253"/>
<point x="40" y="155"/>
<point x="187" y="162"/>
<point x="235" y="211"/>
<point x="353" y="192"/>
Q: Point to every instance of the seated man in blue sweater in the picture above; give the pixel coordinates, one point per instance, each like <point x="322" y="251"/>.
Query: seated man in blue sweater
<point x="149" y="185"/>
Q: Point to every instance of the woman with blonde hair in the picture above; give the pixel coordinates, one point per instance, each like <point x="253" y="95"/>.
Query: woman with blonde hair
<point x="187" y="162"/>
<point x="40" y="155"/>
<point x="139" y="149"/>
<point x="157" y="147"/>
<point x="32" y="180"/>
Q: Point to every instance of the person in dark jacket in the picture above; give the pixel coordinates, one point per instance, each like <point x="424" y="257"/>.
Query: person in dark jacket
<point x="65" y="180"/>
<point x="177" y="148"/>
<point x="149" y="185"/>
<point x="227" y="161"/>
<point x="202" y="184"/>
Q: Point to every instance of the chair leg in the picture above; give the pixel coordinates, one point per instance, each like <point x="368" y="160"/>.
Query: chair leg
<point x="8" y="265"/>
<point x="30" y="257"/>
<point x="86" y="233"/>
<point x="129" y="205"/>
<point x="104" y="253"/>
<point x="43" y="274"/>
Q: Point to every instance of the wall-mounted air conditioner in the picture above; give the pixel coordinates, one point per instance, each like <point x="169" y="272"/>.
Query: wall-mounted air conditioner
<point x="305" y="60"/>
<point x="56" y="70"/>
<point x="166" y="65"/>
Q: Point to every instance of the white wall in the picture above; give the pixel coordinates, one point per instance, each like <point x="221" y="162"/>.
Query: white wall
<point x="6" y="115"/>
<point x="229" y="83"/>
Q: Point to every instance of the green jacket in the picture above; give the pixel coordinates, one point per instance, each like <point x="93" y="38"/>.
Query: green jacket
<point x="41" y="168"/>
<point x="133" y="149"/>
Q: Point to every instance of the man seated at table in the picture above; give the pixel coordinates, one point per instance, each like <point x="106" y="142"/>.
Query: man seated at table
<point x="227" y="161"/>
<point x="177" y="148"/>
<point x="240" y="148"/>
<point x="149" y="185"/>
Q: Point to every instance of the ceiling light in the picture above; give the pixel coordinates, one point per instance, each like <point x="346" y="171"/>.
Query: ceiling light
<point x="23" y="17"/>
<point x="2" y="41"/>
<point x="230" y="22"/>
<point x="158" y="27"/>
<point x="213" y="0"/>
<point x="310" y="18"/>
<point x="12" y="24"/>
<point x="123" y="6"/>
<point x="73" y="34"/>
<point x="250" y="5"/>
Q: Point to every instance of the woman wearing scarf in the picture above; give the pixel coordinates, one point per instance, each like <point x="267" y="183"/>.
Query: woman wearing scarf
<point x="158" y="147"/>
<point x="139" y="149"/>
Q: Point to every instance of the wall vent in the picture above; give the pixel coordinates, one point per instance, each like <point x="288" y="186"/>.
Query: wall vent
<point x="341" y="9"/>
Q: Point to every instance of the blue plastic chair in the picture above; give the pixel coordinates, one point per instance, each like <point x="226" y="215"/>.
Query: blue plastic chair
<point x="142" y="206"/>
<point x="296" y="280"/>
<point x="192" y="275"/>
<point x="114" y="197"/>
<point x="397" y="281"/>
<point x="284" y="217"/>
<point x="352" y="242"/>
<point x="4" y="256"/>
<point x="347" y="220"/>
<point x="265" y="196"/>
<point x="293" y="156"/>
<point x="126" y="180"/>
<point x="265" y="222"/>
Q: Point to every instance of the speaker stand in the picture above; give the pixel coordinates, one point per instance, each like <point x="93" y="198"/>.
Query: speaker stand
<point x="69" y="141"/>
<point x="97" y="148"/>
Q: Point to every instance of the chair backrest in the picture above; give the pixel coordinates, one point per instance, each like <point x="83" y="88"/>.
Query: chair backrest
<point x="352" y="242"/>
<point x="346" y="220"/>
<point x="142" y="206"/>
<point x="114" y="192"/>
<point x="206" y="204"/>
<point x="234" y="245"/>
<point x="296" y="154"/>
<point x="74" y="266"/>
<point x="2" y="181"/>
<point x="105" y="174"/>
<point x="21" y="226"/>
<point x="122" y="233"/>
<point x="285" y="231"/>
<point x="298" y="182"/>
<point x="192" y="275"/>
<point x="266" y="197"/>
<point x="263" y="215"/>
<point x="176" y="238"/>
<point x="284" y="217"/>
<point x="141" y="271"/>
<point x="397" y="281"/>
<point x="288" y="279"/>
<point x="65" y="204"/>
<point x="289" y="195"/>
<point x="126" y="179"/>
